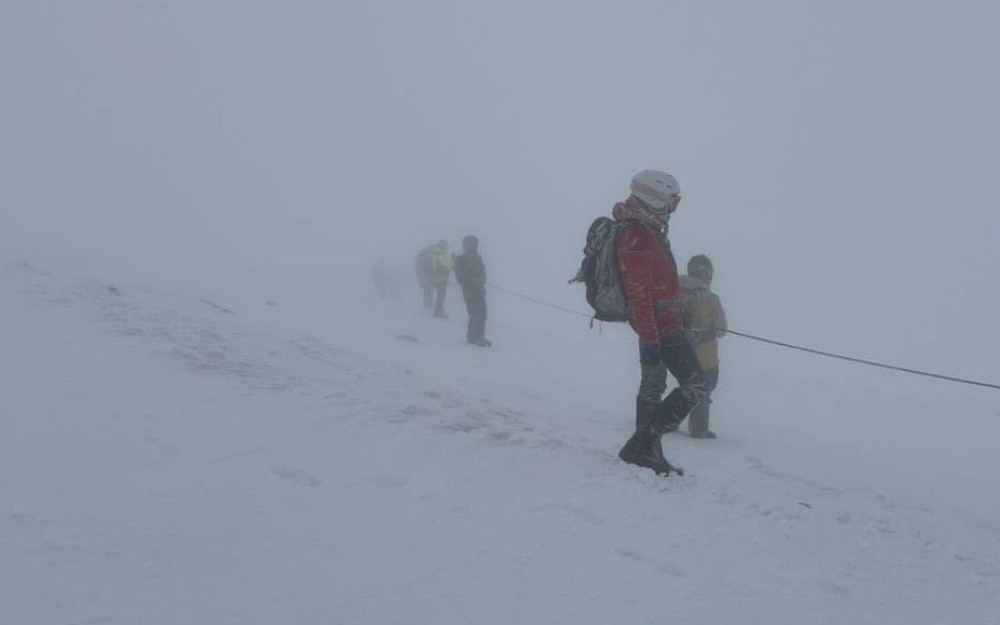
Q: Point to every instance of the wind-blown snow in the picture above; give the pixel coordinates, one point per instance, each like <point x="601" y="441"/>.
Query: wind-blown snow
<point x="170" y="457"/>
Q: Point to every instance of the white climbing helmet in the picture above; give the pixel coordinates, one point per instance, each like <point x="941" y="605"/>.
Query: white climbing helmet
<point x="656" y="189"/>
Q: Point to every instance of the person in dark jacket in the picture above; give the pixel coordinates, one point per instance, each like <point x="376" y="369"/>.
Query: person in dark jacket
<point x="649" y="277"/>
<point x="470" y="272"/>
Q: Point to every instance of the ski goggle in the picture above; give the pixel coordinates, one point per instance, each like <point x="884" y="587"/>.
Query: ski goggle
<point x="668" y="208"/>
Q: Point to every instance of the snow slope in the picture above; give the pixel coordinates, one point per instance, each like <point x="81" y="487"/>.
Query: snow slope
<point x="167" y="457"/>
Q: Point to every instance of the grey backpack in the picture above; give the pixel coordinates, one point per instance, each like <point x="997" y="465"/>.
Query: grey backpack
<point x="599" y="272"/>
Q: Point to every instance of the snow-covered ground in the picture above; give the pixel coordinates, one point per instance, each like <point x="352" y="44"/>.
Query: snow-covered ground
<point x="168" y="457"/>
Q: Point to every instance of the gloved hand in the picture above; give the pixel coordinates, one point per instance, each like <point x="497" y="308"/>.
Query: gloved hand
<point x="702" y="335"/>
<point x="649" y="355"/>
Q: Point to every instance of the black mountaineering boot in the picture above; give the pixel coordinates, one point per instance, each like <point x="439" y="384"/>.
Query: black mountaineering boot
<point x="645" y="414"/>
<point x="643" y="449"/>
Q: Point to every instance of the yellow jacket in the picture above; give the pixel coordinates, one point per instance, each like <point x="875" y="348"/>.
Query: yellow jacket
<point x="704" y="320"/>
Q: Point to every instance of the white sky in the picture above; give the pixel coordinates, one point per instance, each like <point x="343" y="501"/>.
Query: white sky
<point x="838" y="160"/>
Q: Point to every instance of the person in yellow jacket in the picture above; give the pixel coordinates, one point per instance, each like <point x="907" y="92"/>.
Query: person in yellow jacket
<point x="433" y="266"/>
<point x="704" y="324"/>
<point x="441" y="262"/>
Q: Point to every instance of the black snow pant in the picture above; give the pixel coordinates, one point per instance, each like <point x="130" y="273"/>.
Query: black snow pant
<point x="428" y="290"/>
<point x="475" y="304"/>
<point x="677" y="357"/>
<point x="698" y="420"/>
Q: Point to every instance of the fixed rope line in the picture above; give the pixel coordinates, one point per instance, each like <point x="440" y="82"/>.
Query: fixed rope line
<point x="540" y="302"/>
<point x="800" y="348"/>
<point x="862" y="361"/>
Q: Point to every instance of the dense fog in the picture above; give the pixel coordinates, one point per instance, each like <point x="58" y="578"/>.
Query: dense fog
<point x="837" y="161"/>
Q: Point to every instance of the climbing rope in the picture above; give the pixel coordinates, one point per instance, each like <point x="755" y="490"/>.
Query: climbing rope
<point x="540" y="302"/>
<point x="761" y="339"/>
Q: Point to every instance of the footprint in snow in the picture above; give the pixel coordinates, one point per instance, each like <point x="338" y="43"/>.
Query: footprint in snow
<point x="297" y="476"/>
<point x="217" y="307"/>
<point x="659" y="565"/>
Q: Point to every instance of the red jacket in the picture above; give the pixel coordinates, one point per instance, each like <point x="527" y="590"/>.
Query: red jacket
<point x="648" y="273"/>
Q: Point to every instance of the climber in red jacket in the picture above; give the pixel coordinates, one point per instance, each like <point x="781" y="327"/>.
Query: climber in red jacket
<point x="649" y="276"/>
